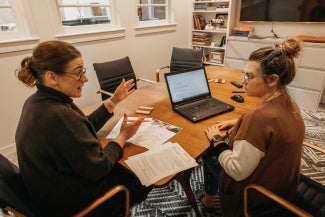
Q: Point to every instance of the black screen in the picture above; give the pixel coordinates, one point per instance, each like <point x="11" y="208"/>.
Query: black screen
<point x="283" y="10"/>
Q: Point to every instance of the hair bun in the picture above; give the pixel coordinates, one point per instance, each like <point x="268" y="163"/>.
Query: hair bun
<point x="290" y="47"/>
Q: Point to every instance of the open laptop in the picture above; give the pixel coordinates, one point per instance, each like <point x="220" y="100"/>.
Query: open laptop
<point x="190" y="95"/>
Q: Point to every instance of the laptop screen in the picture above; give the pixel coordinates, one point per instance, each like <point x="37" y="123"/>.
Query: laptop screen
<point x="187" y="85"/>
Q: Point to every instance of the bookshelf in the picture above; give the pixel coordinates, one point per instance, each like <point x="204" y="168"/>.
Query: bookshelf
<point x="211" y="29"/>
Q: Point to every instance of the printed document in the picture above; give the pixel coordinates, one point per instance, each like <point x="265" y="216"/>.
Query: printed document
<point x="152" y="132"/>
<point x="159" y="162"/>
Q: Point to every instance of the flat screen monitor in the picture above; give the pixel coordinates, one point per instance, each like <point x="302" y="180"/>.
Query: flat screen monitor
<point x="283" y="10"/>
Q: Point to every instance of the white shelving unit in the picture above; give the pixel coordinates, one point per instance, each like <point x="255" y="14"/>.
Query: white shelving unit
<point x="210" y="30"/>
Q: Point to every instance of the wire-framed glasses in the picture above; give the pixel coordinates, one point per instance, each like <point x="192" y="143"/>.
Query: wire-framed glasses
<point x="249" y="76"/>
<point x="78" y="75"/>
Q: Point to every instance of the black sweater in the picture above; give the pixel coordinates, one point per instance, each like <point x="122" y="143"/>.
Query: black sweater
<point x="60" y="157"/>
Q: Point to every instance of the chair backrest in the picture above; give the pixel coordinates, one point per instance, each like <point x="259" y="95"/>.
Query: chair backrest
<point x="12" y="190"/>
<point x="111" y="73"/>
<point x="185" y="58"/>
<point x="311" y="196"/>
<point x="309" y="200"/>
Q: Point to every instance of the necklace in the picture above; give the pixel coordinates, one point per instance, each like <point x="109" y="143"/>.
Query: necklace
<point x="274" y="95"/>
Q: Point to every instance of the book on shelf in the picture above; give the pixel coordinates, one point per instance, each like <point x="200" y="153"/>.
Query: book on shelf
<point x="244" y="31"/>
<point x="201" y="43"/>
<point x="201" y="38"/>
<point x="200" y="6"/>
<point x="201" y="33"/>
<point x="199" y="22"/>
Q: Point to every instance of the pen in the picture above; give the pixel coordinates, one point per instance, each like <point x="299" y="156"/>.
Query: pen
<point x="238" y="91"/>
<point x="105" y="92"/>
<point x="141" y="121"/>
<point x="132" y="119"/>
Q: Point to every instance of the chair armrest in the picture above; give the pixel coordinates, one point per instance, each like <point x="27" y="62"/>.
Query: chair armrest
<point x="107" y="195"/>
<point x="288" y="205"/>
<point x="8" y="211"/>
<point x="158" y="71"/>
<point x="146" y="80"/>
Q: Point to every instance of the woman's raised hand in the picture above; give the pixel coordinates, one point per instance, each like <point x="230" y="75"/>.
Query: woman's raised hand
<point x="123" y="90"/>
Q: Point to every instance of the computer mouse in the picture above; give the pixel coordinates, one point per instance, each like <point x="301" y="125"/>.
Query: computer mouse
<point x="238" y="98"/>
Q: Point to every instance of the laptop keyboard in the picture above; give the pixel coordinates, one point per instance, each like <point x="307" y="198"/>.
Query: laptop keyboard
<point x="201" y="107"/>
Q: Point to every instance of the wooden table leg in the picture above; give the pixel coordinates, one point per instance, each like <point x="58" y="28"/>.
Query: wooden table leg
<point x="184" y="179"/>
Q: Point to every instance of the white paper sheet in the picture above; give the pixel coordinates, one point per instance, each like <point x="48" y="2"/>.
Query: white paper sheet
<point x="159" y="162"/>
<point x="149" y="134"/>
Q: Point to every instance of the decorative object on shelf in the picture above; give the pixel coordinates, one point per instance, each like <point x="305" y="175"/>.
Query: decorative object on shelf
<point x="217" y="56"/>
<point x="219" y="21"/>
<point x="209" y="26"/>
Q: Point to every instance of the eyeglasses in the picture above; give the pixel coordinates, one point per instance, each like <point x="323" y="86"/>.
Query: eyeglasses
<point x="79" y="75"/>
<point x="249" y="76"/>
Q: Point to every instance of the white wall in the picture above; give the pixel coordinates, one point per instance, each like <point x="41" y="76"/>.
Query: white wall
<point x="147" y="52"/>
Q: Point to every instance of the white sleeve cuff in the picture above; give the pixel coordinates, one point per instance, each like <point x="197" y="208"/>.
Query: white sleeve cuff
<point x="241" y="161"/>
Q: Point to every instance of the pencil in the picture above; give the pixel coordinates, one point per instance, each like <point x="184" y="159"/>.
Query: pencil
<point x="141" y="121"/>
<point x="105" y="92"/>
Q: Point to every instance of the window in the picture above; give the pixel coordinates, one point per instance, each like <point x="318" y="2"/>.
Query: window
<point x="84" y="12"/>
<point x="154" y="16"/>
<point x="153" y="12"/>
<point x="7" y="20"/>
<point x="13" y="20"/>
<point x="96" y="15"/>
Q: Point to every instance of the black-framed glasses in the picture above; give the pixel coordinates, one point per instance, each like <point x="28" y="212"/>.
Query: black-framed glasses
<point x="249" y="76"/>
<point x="79" y="75"/>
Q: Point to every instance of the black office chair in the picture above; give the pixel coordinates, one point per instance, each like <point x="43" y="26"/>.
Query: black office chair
<point x="111" y="73"/>
<point x="309" y="200"/>
<point x="183" y="58"/>
<point x="14" y="200"/>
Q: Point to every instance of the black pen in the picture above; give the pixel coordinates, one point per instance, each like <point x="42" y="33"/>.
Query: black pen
<point x="238" y="91"/>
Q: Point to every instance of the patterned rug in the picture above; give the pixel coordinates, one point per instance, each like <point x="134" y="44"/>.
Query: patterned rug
<point x="171" y="200"/>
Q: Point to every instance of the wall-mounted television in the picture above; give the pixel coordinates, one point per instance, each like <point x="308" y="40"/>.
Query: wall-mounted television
<point x="283" y="10"/>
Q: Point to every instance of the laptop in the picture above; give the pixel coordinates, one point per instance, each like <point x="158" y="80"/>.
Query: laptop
<point x="190" y="95"/>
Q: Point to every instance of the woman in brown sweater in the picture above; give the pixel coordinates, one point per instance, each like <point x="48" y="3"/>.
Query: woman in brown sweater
<point x="265" y="145"/>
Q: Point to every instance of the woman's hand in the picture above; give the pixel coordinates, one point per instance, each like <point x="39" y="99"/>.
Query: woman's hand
<point x="128" y="129"/>
<point x="123" y="91"/>
<point x="212" y="131"/>
<point x="224" y="125"/>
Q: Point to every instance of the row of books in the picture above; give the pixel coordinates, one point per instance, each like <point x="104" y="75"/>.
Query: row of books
<point x="199" y="22"/>
<point x="201" y="38"/>
<point x="243" y="31"/>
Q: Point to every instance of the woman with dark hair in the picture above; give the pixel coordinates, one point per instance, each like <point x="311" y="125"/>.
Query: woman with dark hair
<point x="62" y="162"/>
<point x="265" y="145"/>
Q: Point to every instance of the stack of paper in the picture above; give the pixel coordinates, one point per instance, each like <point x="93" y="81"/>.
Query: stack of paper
<point x="159" y="162"/>
<point x="151" y="133"/>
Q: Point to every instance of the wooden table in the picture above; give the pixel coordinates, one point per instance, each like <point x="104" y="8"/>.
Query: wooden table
<point x="192" y="137"/>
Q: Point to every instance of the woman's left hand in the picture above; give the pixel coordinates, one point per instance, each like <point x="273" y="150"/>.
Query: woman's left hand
<point x="212" y="131"/>
<point x="123" y="90"/>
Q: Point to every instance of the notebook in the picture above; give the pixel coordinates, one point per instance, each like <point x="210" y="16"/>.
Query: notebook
<point x="190" y="95"/>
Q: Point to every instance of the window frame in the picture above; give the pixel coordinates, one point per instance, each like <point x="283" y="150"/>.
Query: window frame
<point x="153" y="26"/>
<point x="11" y="41"/>
<point x="154" y="22"/>
<point x="91" y="32"/>
<point x="22" y="29"/>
